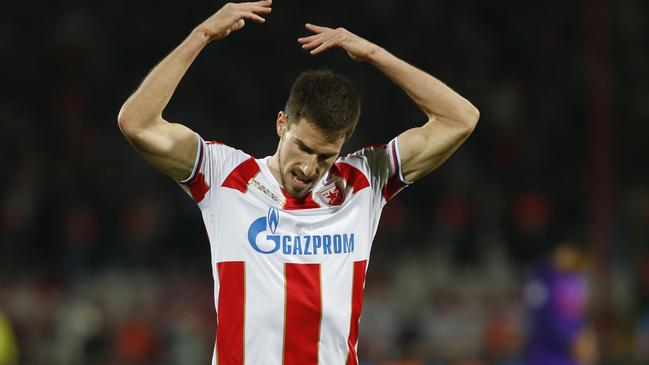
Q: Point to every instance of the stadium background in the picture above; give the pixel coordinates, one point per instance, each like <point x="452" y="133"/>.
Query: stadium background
<point x="103" y="260"/>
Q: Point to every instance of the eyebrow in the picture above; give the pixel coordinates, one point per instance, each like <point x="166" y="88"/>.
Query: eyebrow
<point x="311" y="150"/>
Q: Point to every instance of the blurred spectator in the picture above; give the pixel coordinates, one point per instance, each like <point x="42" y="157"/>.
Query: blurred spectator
<point x="8" y="348"/>
<point x="558" y="297"/>
<point x="137" y="342"/>
<point x="642" y="340"/>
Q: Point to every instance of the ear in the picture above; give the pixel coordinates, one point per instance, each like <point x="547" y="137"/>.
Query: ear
<point x="281" y="123"/>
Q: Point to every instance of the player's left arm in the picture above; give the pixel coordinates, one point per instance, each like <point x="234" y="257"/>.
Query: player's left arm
<point x="451" y="118"/>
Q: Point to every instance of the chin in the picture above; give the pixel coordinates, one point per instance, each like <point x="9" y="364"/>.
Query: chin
<point x="298" y="194"/>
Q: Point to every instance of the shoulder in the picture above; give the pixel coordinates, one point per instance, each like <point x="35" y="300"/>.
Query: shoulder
<point x="364" y="154"/>
<point x="369" y="162"/>
<point x="216" y="150"/>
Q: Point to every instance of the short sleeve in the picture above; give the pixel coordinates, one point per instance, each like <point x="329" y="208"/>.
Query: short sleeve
<point x="382" y="165"/>
<point x="210" y="164"/>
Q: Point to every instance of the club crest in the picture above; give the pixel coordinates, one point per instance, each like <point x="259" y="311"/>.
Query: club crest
<point x="332" y="194"/>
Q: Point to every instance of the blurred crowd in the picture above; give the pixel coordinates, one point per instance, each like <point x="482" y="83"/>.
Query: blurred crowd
<point x="104" y="260"/>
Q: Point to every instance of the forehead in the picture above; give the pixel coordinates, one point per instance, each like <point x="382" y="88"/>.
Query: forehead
<point x="306" y="133"/>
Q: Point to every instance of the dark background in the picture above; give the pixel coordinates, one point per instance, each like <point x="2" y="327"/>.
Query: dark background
<point x="104" y="260"/>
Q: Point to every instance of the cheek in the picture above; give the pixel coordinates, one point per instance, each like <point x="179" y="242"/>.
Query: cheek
<point x="292" y="157"/>
<point x="289" y="160"/>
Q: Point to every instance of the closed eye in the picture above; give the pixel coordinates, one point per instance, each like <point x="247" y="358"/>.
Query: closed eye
<point x="322" y="156"/>
<point x="305" y="149"/>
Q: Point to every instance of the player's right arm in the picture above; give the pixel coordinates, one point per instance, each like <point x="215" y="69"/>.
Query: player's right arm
<point x="172" y="147"/>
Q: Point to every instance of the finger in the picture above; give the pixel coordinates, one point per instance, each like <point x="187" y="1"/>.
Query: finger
<point x="328" y="37"/>
<point x="252" y="16"/>
<point x="253" y="8"/>
<point x="262" y="10"/>
<point x="265" y="3"/>
<point x="308" y="39"/>
<point x="258" y="9"/>
<point x="311" y="45"/>
<point x="316" y="41"/>
<point x="262" y="3"/>
<point x="316" y="28"/>
<point x="259" y="4"/>
<point x="321" y="48"/>
<point x="239" y="24"/>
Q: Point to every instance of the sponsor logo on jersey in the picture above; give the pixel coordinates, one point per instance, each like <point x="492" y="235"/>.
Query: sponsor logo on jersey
<point x="332" y="194"/>
<point x="263" y="239"/>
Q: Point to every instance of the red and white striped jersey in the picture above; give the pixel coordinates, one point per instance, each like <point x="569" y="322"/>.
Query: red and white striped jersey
<point x="289" y="274"/>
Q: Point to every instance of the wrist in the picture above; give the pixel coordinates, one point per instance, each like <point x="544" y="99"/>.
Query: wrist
<point x="199" y="35"/>
<point x="374" y="53"/>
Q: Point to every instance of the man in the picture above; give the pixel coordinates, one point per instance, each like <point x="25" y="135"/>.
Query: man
<point x="557" y="297"/>
<point x="290" y="234"/>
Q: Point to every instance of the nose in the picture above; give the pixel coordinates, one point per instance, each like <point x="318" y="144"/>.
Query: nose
<point x="309" y="167"/>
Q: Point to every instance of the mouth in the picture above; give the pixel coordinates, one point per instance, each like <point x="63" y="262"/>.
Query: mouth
<point x="300" y="182"/>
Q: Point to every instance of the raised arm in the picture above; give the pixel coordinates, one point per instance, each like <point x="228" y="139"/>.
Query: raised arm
<point x="172" y="147"/>
<point x="451" y="118"/>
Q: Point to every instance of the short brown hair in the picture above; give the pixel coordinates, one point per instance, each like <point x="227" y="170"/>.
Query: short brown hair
<point x="327" y="100"/>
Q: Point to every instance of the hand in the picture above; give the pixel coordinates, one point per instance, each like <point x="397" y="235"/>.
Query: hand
<point x="232" y="17"/>
<point x="324" y="38"/>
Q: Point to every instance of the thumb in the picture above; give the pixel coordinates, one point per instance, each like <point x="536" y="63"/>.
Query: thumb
<point x="239" y="24"/>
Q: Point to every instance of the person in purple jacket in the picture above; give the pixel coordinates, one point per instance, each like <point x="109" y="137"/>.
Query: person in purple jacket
<point x="558" y="297"/>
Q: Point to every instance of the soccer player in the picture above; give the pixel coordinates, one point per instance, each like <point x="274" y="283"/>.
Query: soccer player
<point x="290" y="234"/>
<point x="557" y="295"/>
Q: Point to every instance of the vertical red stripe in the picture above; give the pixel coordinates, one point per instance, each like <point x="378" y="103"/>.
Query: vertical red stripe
<point x="303" y="313"/>
<point x="357" y="304"/>
<point x="231" y="313"/>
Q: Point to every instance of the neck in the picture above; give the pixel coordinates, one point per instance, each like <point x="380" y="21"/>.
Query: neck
<point x="273" y="166"/>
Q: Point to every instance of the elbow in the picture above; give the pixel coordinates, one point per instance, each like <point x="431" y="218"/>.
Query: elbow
<point x="473" y="115"/>
<point x="130" y="124"/>
<point x="469" y="120"/>
<point x="124" y="122"/>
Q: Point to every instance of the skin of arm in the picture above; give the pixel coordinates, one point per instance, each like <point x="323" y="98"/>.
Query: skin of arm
<point x="451" y="118"/>
<point x="172" y="147"/>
